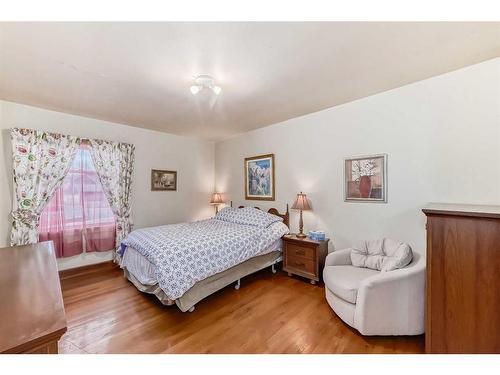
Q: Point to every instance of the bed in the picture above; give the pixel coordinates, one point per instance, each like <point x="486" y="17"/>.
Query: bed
<point x="183" y="263"/>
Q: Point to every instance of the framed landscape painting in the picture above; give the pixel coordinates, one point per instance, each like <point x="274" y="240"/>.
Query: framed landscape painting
<point x="365" y="178"/>
<point x="259" y="177"/>
<point x="163" y="180"/>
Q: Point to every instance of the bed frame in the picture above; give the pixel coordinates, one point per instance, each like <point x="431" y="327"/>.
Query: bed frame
<point x="218" y="281"/>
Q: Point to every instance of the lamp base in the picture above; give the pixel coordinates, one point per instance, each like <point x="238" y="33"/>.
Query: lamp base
<point x="301" y="227"/>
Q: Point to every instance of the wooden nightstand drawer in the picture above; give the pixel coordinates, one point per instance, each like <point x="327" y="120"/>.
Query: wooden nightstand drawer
<point x="301" y="264"/>
<point x="300" y="251"/>
<point x="304" y="257"/>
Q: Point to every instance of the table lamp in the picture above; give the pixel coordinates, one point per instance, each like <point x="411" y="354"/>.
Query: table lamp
<point x="216" y="201"/>
<point x="301" y="203"/>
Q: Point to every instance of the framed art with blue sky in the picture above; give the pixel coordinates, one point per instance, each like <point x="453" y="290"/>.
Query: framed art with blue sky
<point x="259" y="177"/>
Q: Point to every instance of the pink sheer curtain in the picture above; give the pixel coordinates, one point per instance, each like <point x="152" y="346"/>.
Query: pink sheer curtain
<point x="78" y="218"/>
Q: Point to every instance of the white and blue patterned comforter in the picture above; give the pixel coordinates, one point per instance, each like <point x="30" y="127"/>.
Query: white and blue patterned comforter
<point x="186" y="253"/>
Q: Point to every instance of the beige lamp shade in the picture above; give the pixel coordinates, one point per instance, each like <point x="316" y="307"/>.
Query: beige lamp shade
<point x="301" y="202"/>
<point x="216" y="198"/>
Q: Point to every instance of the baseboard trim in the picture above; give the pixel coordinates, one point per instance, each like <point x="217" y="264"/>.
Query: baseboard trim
<point x="84" y="270"/>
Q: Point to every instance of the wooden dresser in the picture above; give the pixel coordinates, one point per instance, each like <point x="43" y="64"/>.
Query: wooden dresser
<point x="304" y="257"/>
<point x="463" y="279"/>
<point x="31" y="309"/>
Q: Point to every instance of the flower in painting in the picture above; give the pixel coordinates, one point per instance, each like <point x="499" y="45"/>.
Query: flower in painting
<point x="52" y="152"/>
<point x="31" y="157"/>
<point x="363" y="167"/>
<point x="259" y="177"/>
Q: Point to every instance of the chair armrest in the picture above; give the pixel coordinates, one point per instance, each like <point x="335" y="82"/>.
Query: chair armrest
<point x="339" y="258"/>
<point x="392" y="303"/>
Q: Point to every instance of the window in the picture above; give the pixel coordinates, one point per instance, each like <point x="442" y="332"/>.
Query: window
<point x="78" y="217"/>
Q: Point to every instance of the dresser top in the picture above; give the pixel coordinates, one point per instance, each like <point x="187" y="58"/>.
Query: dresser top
<point x="32" y="308"/>
<point x="476" y="210"/>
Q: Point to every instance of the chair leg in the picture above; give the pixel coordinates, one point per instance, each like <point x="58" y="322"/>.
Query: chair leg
<point x="191" y="309"/>
<point x="237" y="286"/>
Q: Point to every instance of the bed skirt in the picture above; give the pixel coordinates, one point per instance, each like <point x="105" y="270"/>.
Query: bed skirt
<point x="211" y="284"/>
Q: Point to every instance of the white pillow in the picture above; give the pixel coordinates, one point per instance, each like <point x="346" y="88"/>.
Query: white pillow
<point x="247" y="216"/>
<point x="382" y="255"/>
<point x="226" y="214"/>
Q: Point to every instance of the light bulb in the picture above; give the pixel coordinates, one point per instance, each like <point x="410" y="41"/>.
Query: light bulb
<point x="195" y="89"/>
<point x="216" y="90"/>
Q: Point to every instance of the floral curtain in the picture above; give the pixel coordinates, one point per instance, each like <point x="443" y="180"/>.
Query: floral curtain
<point x="114" y="163"/>
<point x="41" y="160"/>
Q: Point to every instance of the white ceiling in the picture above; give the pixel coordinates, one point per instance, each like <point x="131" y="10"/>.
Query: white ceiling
<point x="139" y="73"/>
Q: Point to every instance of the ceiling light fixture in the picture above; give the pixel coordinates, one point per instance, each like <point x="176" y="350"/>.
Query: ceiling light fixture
<point x="204" y="82"/>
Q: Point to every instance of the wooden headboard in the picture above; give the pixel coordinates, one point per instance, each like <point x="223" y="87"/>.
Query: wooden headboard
<point x="274" y="211"/>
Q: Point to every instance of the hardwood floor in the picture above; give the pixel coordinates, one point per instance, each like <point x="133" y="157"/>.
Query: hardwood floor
<point x="271" y="313"/>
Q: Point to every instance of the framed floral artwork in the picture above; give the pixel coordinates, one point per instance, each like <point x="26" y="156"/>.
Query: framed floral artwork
<point x="259" y="177"/>
<point x="163" y="180"/>
<point x="365" y="178"/>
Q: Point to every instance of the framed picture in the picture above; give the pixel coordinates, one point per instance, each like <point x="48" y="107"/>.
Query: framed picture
<point x="365" y="178"/>
<point x="259" y="177"/>
<point x="163" y="180"/>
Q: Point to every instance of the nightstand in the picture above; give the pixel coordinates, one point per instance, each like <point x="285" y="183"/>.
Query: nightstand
<point x="304" y="257"/>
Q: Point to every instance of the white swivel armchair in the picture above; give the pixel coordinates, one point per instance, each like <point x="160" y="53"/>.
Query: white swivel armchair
<point x="375" y="302"/>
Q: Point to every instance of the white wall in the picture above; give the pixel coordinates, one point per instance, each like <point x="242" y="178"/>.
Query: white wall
<point x="442" y="137"/>
<point x="193" y="159"/>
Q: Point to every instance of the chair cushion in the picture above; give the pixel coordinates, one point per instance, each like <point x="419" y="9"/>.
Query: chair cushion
<point x="382" y="255"/>
<point x="343" y="281"/>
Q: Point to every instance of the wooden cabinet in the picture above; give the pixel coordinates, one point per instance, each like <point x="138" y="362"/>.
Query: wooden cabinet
<point x="304" y="257"/>
<point x="31" y="309"/>
<point x="463" y="279"/>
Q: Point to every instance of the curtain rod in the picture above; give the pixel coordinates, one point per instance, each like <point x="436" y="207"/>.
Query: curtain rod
<point x="85" y="141"/>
